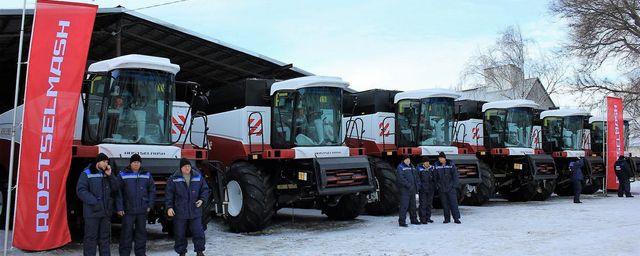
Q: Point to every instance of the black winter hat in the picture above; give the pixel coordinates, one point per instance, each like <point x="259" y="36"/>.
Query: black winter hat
<point x="442" y="155"/>
<point x="135" y="157"/>
<point x="101" y="157"/>
<point x="184" y="162"/>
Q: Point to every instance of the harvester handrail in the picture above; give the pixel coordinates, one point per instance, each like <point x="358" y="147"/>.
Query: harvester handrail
<point x="261" y="133"/>
<point x="384" y="135"/>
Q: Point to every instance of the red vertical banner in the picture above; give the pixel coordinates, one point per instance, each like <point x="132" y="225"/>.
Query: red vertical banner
<point x="60" y="38"/>
<point x="615" y="138"/>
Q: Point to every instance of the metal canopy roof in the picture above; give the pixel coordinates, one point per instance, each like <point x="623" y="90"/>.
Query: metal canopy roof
<point x="118" y="31"/>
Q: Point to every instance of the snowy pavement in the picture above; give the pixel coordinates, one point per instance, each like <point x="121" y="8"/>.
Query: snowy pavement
<point x="599" y="226"/>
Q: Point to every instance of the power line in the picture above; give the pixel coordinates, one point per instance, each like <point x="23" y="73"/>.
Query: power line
<point x="157" y="5"/>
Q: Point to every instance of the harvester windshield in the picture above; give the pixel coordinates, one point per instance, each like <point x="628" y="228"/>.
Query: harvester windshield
<point x="425" y="122"/>
<point x="136" y="103"/>
<point x="565" y="133"/>
<point x="598" y="141"/>
<point x="508" y="127"/>
<point x="309" y="116"/>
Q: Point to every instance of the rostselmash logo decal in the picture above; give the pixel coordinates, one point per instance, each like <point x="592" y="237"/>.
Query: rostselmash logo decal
<point x="142" y="153"/>
<point x="329" y="153"/>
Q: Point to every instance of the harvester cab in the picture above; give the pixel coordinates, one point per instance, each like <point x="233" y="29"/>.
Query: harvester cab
<point x="564" y="136"/>
<point x="129" y="107"/>
<point x="502" y="138"/>
<point x="426" y="126"/>
<point x="281" y="145"/>
<point x="598" y="140"/>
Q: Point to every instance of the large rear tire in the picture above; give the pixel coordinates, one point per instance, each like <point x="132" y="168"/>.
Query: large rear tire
<point x="3" y="203"/>
<point x="252" y="198"/>
<point x="592" y="187"/>
<point x="519" y="192"/>
<point x="564" y="187"/>
<point x="483" y="191"/>
<point x="348" y="207"/>
<point x="544" y="190"/>
<point x="388" y="195"/>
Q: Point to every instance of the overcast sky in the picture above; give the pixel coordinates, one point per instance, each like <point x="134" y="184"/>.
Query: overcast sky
<point x="372" y="44"/>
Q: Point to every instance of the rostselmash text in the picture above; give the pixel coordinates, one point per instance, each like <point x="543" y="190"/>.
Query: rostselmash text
<point x="48" y="127"/>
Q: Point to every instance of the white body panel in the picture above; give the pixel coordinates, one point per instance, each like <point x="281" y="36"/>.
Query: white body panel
<point x="586" y="141"/>
<point x="536" y="137"/>
<point x="145" y="151"/>
<point x="135" y="61"/>
<point x="472" y="132"/>
<point x="6" y="120"/>
<point x="321" y="152"/>
<point x="234" y="125"/>
<point x="520" y="151"/>
<point x="435" y="150"/>
<point x="374" y="124"/>
<point x="180" y="121"/>
<point x="309" y="81"/>
<point x="575" y="153"/>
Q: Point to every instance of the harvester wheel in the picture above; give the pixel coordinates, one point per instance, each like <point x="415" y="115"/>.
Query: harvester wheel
<point x="347" y="208"/>
<point x="252" y="198"/>
<point x="519" y="192"/>
<point x="544" y="189"/>
<point x="564" y="188"/>
<point x="388" y="196"/>
<point x="592" y="187"/>
<point x="484" y="190"/>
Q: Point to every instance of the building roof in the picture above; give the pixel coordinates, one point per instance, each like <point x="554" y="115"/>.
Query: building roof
<point x="118" y="31"/>
<point x="426" y="93"/>
<point x="531" y="85"/>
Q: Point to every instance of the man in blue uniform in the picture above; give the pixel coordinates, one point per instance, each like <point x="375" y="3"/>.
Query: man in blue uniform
<point x="97" y="189"/>
<point x="187" y="191"/>
<point x="446" y="175"/>
<point x="137" y="197"/>
<point x="623" y="172"/>
<point x="426" y="191"/>
<point x="408" y="183"/>
<point x="576" y="177"/>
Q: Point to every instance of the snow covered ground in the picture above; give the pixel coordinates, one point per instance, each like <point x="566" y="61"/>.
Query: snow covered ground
<point x="599" y="226"/>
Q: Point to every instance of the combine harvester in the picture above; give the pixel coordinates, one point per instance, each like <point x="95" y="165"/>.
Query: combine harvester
<point x="127" y="107"/>
<point x="564" y="137"/>
<point x="500" y="133"/>
<point x="281" y="145"/>
<point x="418" y="123"/>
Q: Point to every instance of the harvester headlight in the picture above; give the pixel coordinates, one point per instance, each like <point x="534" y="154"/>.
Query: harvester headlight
<point x="302" y="176"/>
<point x="517" y="166"/>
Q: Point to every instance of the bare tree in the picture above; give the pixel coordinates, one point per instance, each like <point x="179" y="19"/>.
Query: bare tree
<point x="603" y="31"/>
<point x="506" y="63"/>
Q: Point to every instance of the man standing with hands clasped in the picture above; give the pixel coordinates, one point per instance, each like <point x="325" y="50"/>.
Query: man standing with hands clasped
<point x="97" y="189"/>
<point x="186" y="192"/>
<point x="138" y="193"/>
<point x="426" y="191"/>
<point x="448" y="182"/>
<point x="407" y="187"/>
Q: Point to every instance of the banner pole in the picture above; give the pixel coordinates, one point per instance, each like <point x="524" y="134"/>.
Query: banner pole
<point x="13" y="133"/>
<point x="605" y="147"/>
